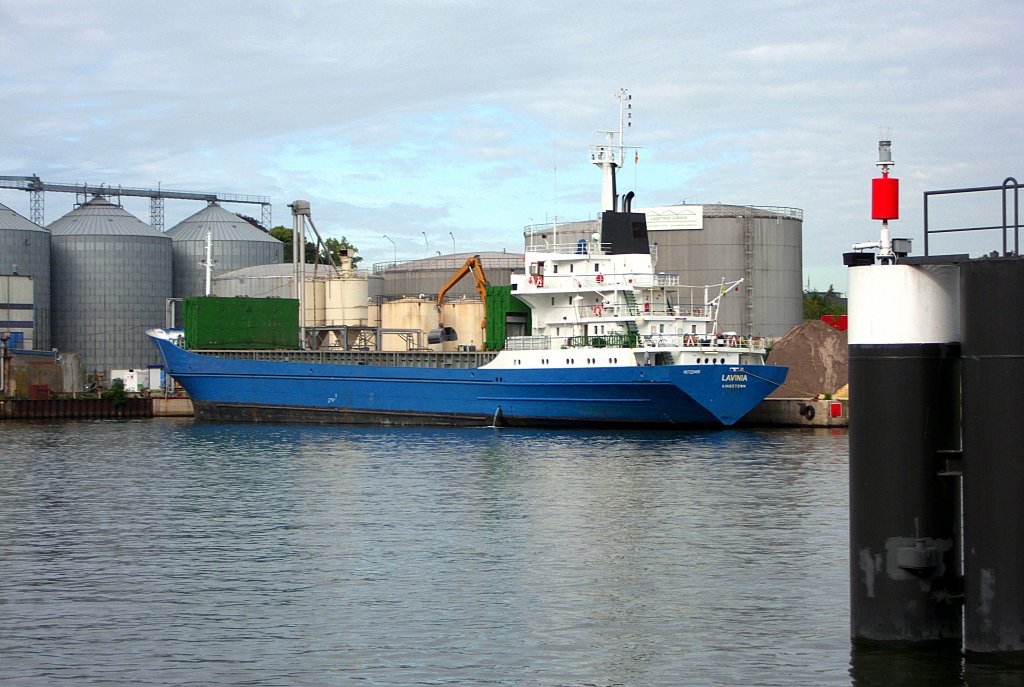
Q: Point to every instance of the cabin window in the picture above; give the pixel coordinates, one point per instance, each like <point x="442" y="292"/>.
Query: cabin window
<point x="597" y="268"/>
<point x="570" y="268"/>
<point x="554" y="268"/>
<point x="552" y="301"/>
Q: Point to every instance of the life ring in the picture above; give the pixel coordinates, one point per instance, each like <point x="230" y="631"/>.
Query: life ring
<point x="697" y="312"/>
<point x="732" y="341"/>
<point x="690" y="340"/>
<point x="530" y="280"/>
<point x="598" y="311"/>
<point x="600" y="278"/>
<point x="540" y="281"/>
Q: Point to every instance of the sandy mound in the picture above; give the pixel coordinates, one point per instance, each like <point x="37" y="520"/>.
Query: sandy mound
<point x="816" y="356"/>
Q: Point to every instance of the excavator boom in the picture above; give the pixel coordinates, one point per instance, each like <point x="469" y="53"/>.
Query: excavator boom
<point x="472" y="266"/>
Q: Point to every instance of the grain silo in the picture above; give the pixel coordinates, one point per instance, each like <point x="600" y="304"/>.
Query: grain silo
<point x="111" y="278"/>
<point x="235" y="244"/>
<point x="25" y="250"/>
<point x="705" y="244"/>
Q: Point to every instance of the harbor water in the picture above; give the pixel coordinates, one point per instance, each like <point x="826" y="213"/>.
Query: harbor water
<point x="170" y="552"/>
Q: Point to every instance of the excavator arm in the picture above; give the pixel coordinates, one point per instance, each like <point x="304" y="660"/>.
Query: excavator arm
<point x="472" y="266"/>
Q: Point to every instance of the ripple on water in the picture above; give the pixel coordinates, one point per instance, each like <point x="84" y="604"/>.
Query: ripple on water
<point x="172" y="552"/>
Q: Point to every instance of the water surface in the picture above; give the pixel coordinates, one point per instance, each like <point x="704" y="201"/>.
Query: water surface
<point x="178" y="553"/>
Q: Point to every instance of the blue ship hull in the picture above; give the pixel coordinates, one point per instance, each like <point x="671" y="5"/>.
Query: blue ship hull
<point x="223" y="388"/>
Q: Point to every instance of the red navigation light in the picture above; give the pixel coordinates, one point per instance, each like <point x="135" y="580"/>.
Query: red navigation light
<point x="885" y="198"/>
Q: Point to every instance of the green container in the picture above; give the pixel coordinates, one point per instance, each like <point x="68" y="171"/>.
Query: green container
<point x="500" y="304"/>
<point x="241" y="323"/>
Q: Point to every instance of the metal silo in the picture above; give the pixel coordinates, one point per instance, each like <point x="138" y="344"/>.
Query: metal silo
<point x="111" y="278"/>
<point x="705" y="243"/>
<point x="25" y="250"/>
<point x="235" y="244"/>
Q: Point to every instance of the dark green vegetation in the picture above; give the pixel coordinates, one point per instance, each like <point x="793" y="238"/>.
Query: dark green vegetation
<point x="331" y="245"/>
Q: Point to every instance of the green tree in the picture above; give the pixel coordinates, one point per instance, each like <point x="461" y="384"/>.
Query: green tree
<point x="284" y="235"/>
<point x="335" y="246"/>
<point x="332" y="245"/>
<point x="817" y="304"/>
<point x="116" y="392"/>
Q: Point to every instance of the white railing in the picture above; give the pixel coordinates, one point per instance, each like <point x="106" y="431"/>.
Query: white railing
<point x="528" y="343"/>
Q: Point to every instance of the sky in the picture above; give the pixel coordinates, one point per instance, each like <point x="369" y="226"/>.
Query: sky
<point x="415" y="127"/>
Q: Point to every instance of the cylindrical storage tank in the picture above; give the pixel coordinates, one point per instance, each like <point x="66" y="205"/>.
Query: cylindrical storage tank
<point x="25" y="250"/>
<point x="259" y="281"/>
<point x="993" y="446"/>
<point x="704" y="243"/>
<point x="429" y="275"/>
<point x="111" y="278"/>
<point x="904" y="410"/>
<point x="235" y="244"/>
<point x="347" y="298"/>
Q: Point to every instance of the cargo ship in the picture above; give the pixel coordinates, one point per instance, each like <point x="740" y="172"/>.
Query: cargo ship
<point x="610" y="343"/>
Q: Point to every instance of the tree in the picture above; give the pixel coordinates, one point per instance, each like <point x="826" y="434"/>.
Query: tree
<point x="284" y="235"/>
<point x="334" y="246"/>
<point x="253" y="221"/>
<point x="116" y="393"/>
<point x="817" y="304"/>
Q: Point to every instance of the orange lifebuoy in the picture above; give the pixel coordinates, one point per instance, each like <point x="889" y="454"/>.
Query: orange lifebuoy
<point x="600" y="278"/>
<point x="696" y="312"/>
<point x="598" y="311"/>
<point x="732" y="341"/>
<point x="690" y="340"/>
<point x="540" y="281"/>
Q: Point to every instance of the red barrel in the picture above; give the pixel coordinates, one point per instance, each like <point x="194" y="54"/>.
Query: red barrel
<point x="885" y="198"/>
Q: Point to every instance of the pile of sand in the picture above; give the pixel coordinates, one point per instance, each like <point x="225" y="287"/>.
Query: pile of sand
<point x="816" y="356"/>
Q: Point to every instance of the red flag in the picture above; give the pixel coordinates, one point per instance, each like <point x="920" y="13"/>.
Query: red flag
<point x="636" y="158"/>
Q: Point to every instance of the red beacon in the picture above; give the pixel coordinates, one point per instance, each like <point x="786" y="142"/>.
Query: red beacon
<point x="885" y="190"/>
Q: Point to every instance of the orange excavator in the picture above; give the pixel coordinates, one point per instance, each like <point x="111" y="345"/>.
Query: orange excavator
<point x="472" y="266"/>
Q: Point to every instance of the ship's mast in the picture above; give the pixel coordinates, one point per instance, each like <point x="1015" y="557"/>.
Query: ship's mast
<point x="610" y="156"/>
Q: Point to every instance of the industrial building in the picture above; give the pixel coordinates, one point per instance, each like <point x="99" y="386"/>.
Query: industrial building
<point x="17" y="326"/>
<point x="25" y="251"/>
<point x="111" y="281"/>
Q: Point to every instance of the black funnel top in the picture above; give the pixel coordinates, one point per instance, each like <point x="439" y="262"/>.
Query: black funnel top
<point x="625" y="232"/>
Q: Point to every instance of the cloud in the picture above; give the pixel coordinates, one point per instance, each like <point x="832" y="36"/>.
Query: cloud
<point x="472" y="119"/>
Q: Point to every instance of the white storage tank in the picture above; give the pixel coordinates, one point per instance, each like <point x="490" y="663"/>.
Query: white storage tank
<point x="25" y="251"/>
<point x="111" y="278"/>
